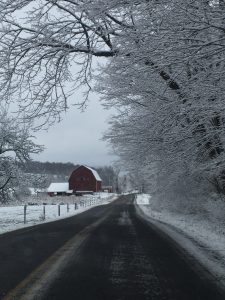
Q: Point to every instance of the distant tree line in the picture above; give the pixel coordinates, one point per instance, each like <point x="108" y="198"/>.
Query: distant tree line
<point x="58" y="171"/>
<point x="54" y="168"/>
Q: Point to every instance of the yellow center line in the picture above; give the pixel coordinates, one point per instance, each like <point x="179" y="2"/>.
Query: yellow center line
<point x="37" y="283"/>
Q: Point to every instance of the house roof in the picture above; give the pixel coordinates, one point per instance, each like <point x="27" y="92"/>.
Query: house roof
<point x="57" y="187"/>
<point x="95" y="173"/>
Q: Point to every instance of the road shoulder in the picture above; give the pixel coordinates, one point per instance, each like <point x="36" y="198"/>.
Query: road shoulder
<point x="205" y="261"/>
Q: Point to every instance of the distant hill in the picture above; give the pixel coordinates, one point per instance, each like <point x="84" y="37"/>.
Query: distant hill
<point x="57" y="171"/>
<point x="52" y="168"/>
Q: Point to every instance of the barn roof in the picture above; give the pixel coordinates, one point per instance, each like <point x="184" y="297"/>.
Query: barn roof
<point x="95" y="173"/>
<point x="57" y="187"/>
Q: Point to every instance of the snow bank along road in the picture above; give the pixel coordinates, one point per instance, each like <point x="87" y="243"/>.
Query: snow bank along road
<point x="12" y="217"/>
<point x="108" y="252"/>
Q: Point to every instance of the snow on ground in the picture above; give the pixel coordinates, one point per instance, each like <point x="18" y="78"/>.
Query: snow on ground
<point x="200" y="233"/>
<point x="12" y="217"/>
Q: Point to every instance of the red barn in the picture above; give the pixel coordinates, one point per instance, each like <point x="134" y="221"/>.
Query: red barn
<point x="85" y="179"/>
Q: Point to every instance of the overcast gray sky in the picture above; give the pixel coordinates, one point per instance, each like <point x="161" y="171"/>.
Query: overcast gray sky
<point x="77" y="138"/>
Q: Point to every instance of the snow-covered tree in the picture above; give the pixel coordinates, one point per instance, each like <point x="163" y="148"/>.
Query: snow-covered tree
<point x="168" y="84"/>
<point x="16" y="145"/>
<point x="40" y="41"/>
<point x="164" y="74"/>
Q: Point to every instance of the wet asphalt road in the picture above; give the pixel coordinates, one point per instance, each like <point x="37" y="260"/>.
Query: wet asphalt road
<point x="23" y="250"/>
<point x="123" y="258"/>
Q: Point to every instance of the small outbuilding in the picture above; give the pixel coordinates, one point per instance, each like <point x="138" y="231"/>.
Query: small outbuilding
<point x="59" y="188"/>
<point x="107" y="188"/>
<point x="85" y="180"/>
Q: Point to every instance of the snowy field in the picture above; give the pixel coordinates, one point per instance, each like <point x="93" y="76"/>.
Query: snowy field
<point x="12" y="217"/>
<point x="201" y="234"/>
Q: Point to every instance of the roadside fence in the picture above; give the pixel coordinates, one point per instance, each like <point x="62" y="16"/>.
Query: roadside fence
<point x="45" y="211"/>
